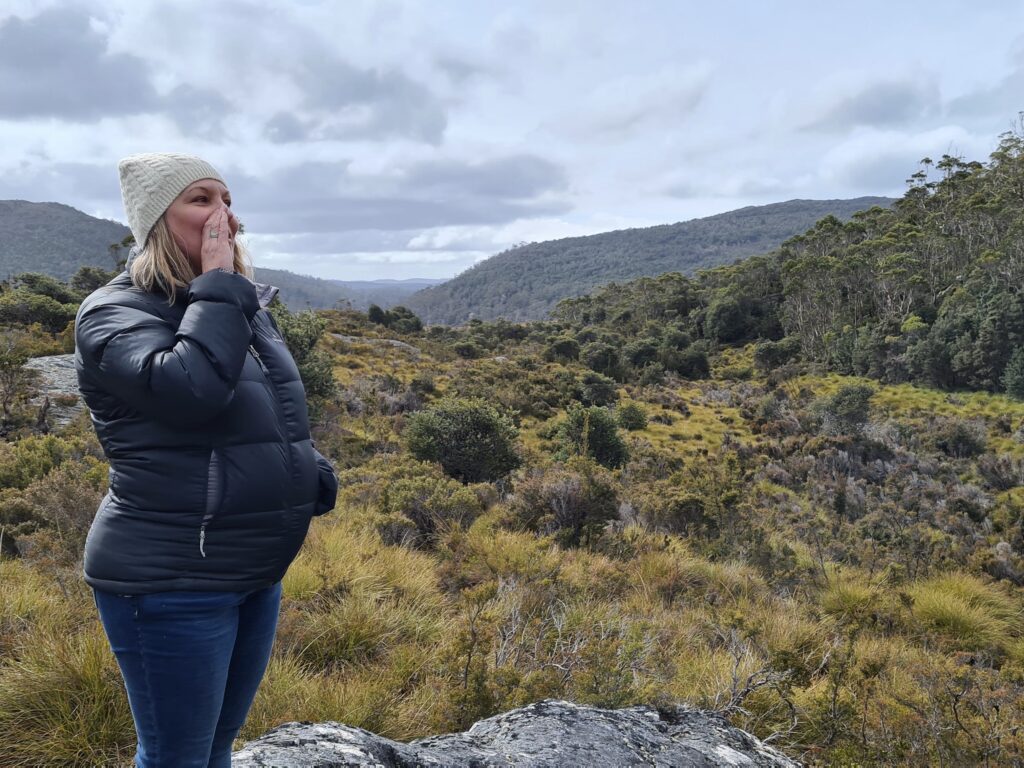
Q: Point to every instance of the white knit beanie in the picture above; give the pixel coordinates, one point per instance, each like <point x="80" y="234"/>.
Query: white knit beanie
<point x="151" y="181"/>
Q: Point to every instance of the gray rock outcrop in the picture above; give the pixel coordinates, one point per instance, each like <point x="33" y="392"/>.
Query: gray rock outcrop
<point x="58" y="386"/>
<point x="548" y="733"/>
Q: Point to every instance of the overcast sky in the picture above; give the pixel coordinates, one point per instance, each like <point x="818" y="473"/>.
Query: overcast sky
<point x="377" y="139"/>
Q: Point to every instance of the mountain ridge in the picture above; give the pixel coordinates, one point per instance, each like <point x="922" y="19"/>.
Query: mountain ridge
<point x="526" y="282"/>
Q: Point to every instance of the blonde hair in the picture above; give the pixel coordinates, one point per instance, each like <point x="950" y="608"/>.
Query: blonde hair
<point x="162" y="265"/>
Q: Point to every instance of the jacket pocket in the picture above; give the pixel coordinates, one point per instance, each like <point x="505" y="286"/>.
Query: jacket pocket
<point x="327" y="490"/>
<point x="214" y="495"/>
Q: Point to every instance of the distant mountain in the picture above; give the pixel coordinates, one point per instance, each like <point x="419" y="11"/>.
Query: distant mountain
<point x="525" y="283"/>
<point x="384" y="293"/>
<point x="300" y="292"/>
<point x="55" y="239"/>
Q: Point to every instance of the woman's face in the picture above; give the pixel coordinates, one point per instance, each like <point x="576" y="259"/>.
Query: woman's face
<point x="189" y="212"/>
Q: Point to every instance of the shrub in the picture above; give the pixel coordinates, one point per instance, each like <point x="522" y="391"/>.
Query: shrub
<point x="23" y="307"/>
<point x="44" y="285"/>
<point x="641" y="352"/>
<point x="690" y="363"/>
<point x="592" y="432"/>
<point x="400" y="319"/>
<point x="703" y="498"/>
<point x="772" y="354"/>
<point x="602" y="357"/>
<point x="573" y="502"/>
<point x="16" y="381"/>
<point x="87" y="279"/>
<point x="651" y="375"/>
<point x="468" y="436"/>
<point x="631" y="416"/>
<point x="847" y="411"/>
<point x="563" y="348"/>
<point x="468" y="350"/>
<point x="1013" y="376"/>
<point x="63" y="504"/>
<point x="960" y="438"/>
<point x="32" y="457"/>
<point x="429" y="503"/>
<point x="595" y="389"/>
<point x="727" y="320"/>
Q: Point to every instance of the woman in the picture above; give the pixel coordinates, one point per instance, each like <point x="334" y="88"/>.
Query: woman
<point x="213" y="476"/>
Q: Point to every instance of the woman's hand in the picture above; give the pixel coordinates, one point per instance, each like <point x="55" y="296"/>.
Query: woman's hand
<point x="218" y="250"/>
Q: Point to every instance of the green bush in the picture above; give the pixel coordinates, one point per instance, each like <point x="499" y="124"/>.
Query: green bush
<point x="562" y="349"/>
<point x="631" y="416"/>
<point x="960" y="438"/>
<point x="44" y="285"/>
<point x="22" y="307"/>
<point x="592" y="432"/>
<point x="602" y="357"/>
<point x="431" y="504"/>
<point x="468" y="350"/>
<point x="596" y="389"/>
<point x="1013" y="376"/>
<point x="468" y="436"/>
<point x="571" y="502"/>
<point x="847" y="411"/>
<point x="690" y="363"/>
<point x="87" y="279"/>
<point x="772" y="354"/>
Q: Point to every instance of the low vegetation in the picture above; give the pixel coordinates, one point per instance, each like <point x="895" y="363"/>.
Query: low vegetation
<point x="665" y="493"/>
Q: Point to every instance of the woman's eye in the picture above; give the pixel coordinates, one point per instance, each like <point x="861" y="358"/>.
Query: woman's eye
<point x="201" y="199"/>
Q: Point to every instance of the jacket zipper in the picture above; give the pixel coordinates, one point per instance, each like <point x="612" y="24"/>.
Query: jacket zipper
<point x="212" y="499"/>
<point x="282" y="426"/>
<point x="282" y="423"/>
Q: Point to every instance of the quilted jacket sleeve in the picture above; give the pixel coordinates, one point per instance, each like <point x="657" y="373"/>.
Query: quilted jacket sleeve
<point x="184" y="375"/>
<point x="328" y="485"/>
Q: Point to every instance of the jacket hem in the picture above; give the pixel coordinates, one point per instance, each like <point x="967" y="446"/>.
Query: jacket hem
<point x="180" y="585"/>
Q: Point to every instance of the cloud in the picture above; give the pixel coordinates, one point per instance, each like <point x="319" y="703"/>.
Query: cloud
<point x="58" y="182"/>
<point x="56" y="65"/>
<point x="740" y="185"/>
<point x="494" y="239"/>
<point x="881" y="104"/>
<point x="628" y="105"/>
<point x="197" y="112"/>
<point x="460" y="71"/>
<point x="344" y="102"/>
<point x="879" y="162"/>
<point x="1002" y="100"/>
<point x="330" y="197"/>
<point x="515" y="177"/>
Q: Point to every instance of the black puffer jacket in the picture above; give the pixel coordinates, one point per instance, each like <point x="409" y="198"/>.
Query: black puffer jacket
<point x="201" y="412"/>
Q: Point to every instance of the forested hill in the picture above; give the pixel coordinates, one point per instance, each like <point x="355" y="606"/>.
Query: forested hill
<point x="925" y="291"/>
<point x="54" y="239"/>
<point x="526" y="282"/>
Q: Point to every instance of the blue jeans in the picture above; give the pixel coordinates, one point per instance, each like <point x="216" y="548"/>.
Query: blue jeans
<point x="191" y="662"/>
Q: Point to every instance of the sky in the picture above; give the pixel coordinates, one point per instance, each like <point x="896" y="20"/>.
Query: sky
<point x="386" y="139"/>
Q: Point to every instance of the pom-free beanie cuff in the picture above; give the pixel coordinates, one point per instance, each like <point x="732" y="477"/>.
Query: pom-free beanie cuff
<point x="151" y="181"/>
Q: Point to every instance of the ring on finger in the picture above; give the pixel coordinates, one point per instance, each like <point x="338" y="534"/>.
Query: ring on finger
<point x="214" y="234"/>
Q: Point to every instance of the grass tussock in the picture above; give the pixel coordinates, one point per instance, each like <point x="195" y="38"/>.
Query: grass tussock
<point x="62" y="703"/>
<point x="965" y="612"/>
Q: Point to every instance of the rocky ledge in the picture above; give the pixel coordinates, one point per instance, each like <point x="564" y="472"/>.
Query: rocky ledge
<point x="548" y="733"/>
<point x="58" y="388"/>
